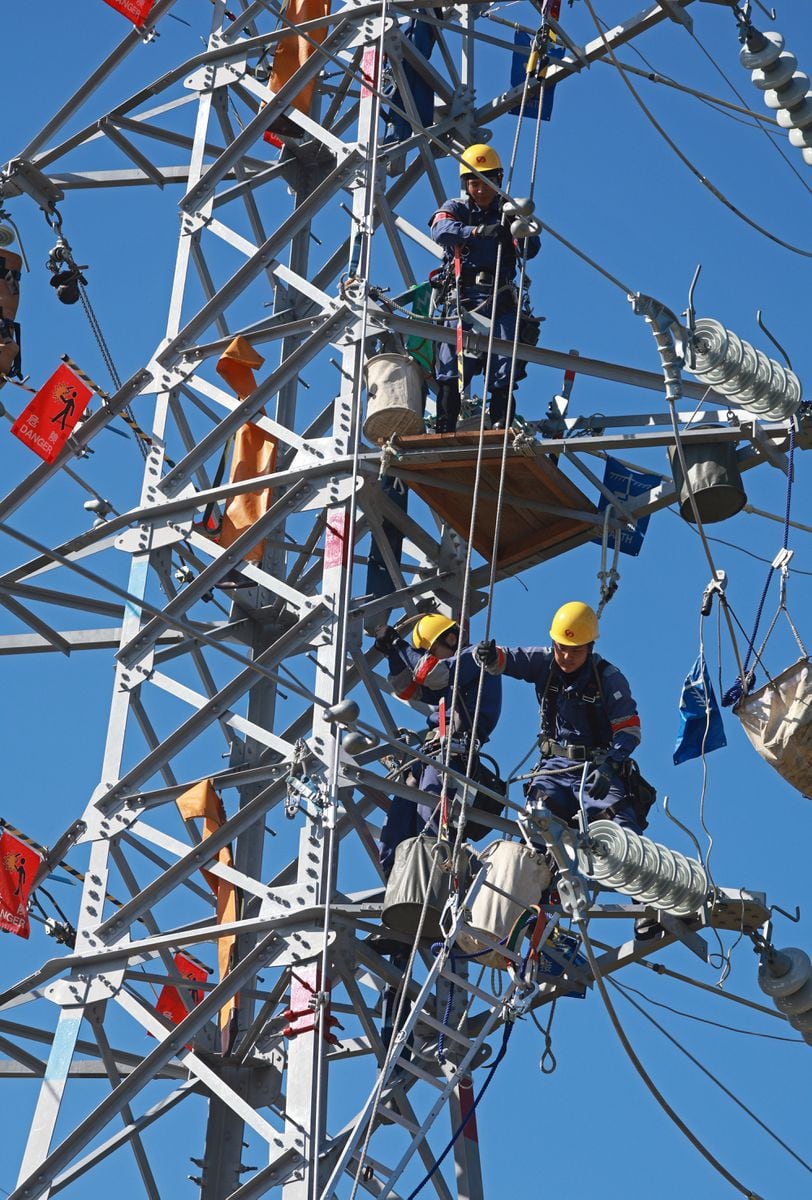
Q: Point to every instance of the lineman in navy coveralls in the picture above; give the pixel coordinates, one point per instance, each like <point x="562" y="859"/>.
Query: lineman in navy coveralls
<point x="473" y="222"/>
<point x="425" y="671"/>
<point x="587" y="712"/>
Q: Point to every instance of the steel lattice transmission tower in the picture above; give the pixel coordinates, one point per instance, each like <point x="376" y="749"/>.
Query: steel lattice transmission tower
<point x="297" y="238"/>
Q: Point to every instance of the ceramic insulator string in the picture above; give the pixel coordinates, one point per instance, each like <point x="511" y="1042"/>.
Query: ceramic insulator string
<point x="736" y="369"/>
<point x="786" y="977"/>
<point x="786" y="90"/>
<point x="636" y="866"/>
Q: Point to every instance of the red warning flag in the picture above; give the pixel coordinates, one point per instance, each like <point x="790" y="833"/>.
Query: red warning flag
<point x="49" y="420"/>
<point x="173" y="1004"/>
<point x="18" y="866"/>
<point x="136" y="11"/>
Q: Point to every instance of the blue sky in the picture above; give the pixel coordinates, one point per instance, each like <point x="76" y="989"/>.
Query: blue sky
<point x="608" y="182"/>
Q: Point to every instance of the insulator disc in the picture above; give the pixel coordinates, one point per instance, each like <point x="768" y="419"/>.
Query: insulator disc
<point x="777" y="74"/>
<point x="790" y="94"/>
<point x="796" y="1002"/>
<point x="661" y="887"/>
<point x="751" y="60"/>
<point x="792" y="980"/>
<point x="796" y="118"/>
<point x="802" y="1022"/>
<point x="800" y="137"/>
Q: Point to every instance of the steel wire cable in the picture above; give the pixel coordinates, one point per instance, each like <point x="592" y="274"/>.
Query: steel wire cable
<point x="498" y="503"/>
<point x="678" y="1012"/>
<point x="784" y="546"/>
<point x="448" y="150"/>
<point x="107" y="356"/>
<point x="698" y="520"/>
<point x="773" y="142"/>
<point x="365" y="235"/>
<point x="693" y="1138"/>
<point x="703" y="179"/>
<point x="743" y="549"/>
<point x="705" y="1071"/>
<point x="759" y="121"/>
<point x="723" y="107"/>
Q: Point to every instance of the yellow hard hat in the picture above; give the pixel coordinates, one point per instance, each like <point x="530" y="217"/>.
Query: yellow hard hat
<point x="479" y="158"/>
<point x="575" y="624"/>
<point x="429" y="628"/>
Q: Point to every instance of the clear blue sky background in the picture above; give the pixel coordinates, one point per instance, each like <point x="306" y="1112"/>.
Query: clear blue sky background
<point x="610" y="184"/>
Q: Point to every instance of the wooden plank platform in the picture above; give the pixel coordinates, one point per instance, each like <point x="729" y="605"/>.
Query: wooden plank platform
<point x="543" y="512"/>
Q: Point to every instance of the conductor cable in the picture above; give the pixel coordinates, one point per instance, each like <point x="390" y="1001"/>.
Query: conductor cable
<point x="682" y="156"/>
<point x="709" y="1074"/>
<point x="594" y="966"/>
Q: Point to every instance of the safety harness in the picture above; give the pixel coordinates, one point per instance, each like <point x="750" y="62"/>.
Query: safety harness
<point x="639" y="792"/>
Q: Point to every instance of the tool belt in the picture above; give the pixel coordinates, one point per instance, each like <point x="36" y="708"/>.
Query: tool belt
<point x="483" y="278"/>
<point x="551" y="749"/>
<point x="435" y="745"/>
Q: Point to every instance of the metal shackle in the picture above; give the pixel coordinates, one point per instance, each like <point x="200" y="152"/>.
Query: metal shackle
<point x="733" y="367"/>
<point x="636" y="866"/>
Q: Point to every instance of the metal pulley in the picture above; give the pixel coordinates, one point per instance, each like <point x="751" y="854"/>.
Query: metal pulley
<point x="786" y="90"/>
<point x="524" y="224"/>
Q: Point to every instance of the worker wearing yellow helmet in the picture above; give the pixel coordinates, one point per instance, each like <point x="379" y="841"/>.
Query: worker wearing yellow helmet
<point x="429" y="668"/>
<point x="589" y="721"/>
<point x="473" y="233"/>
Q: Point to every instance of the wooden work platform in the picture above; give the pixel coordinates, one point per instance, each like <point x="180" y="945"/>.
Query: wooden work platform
<point x="543" y="512"/>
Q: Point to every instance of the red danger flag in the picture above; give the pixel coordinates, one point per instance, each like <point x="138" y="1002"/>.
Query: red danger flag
<point x="49" y="420"/>
<point x="174" y="1005"/>
<point x="136" y="11"/>
<point x="18" y="866"/>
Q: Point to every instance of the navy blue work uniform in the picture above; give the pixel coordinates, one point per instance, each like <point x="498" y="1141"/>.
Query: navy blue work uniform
<point x="419" y="675"/>
<point x="453" y="225"/>
<point x="588" y="710"/>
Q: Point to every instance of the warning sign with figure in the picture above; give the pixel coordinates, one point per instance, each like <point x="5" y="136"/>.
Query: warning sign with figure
<point x="136" y="11"/>
<point x="49" y="420"/>
<point x="18" y="866"/>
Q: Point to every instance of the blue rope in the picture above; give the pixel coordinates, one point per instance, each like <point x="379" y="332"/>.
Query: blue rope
<point x="446" y="1015"/>
<point x="508" y="1029"/>
<point x="736" y="690"/>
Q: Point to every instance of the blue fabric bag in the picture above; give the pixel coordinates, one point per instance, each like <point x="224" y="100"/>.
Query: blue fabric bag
<point x="701" y="727"/>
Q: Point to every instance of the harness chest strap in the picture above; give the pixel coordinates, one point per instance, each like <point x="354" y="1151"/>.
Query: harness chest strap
<point x="421" y="674"/>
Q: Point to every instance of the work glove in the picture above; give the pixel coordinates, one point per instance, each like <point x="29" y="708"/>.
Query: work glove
<point x="495" y="230"/>
<point x="599" y="779"/>
<point x="386" y="639"/>
<point x="486" y="655"/>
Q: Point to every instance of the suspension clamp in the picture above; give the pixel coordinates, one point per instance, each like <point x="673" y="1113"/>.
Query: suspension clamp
<point x="716" y="587"/>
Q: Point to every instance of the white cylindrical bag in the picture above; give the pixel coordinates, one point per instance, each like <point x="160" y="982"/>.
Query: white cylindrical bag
<point x="515" y="878"/>
<point x="394" y="397"/>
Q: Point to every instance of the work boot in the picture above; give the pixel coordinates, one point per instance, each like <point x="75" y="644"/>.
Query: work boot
<point x="501" y="408"/>
<point x="448" y="406"/>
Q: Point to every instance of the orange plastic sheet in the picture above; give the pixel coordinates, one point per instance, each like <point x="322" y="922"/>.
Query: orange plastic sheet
<point x="293" y="51"/>
<point x="202" y="802"/>
<point x="254" y="450"/>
